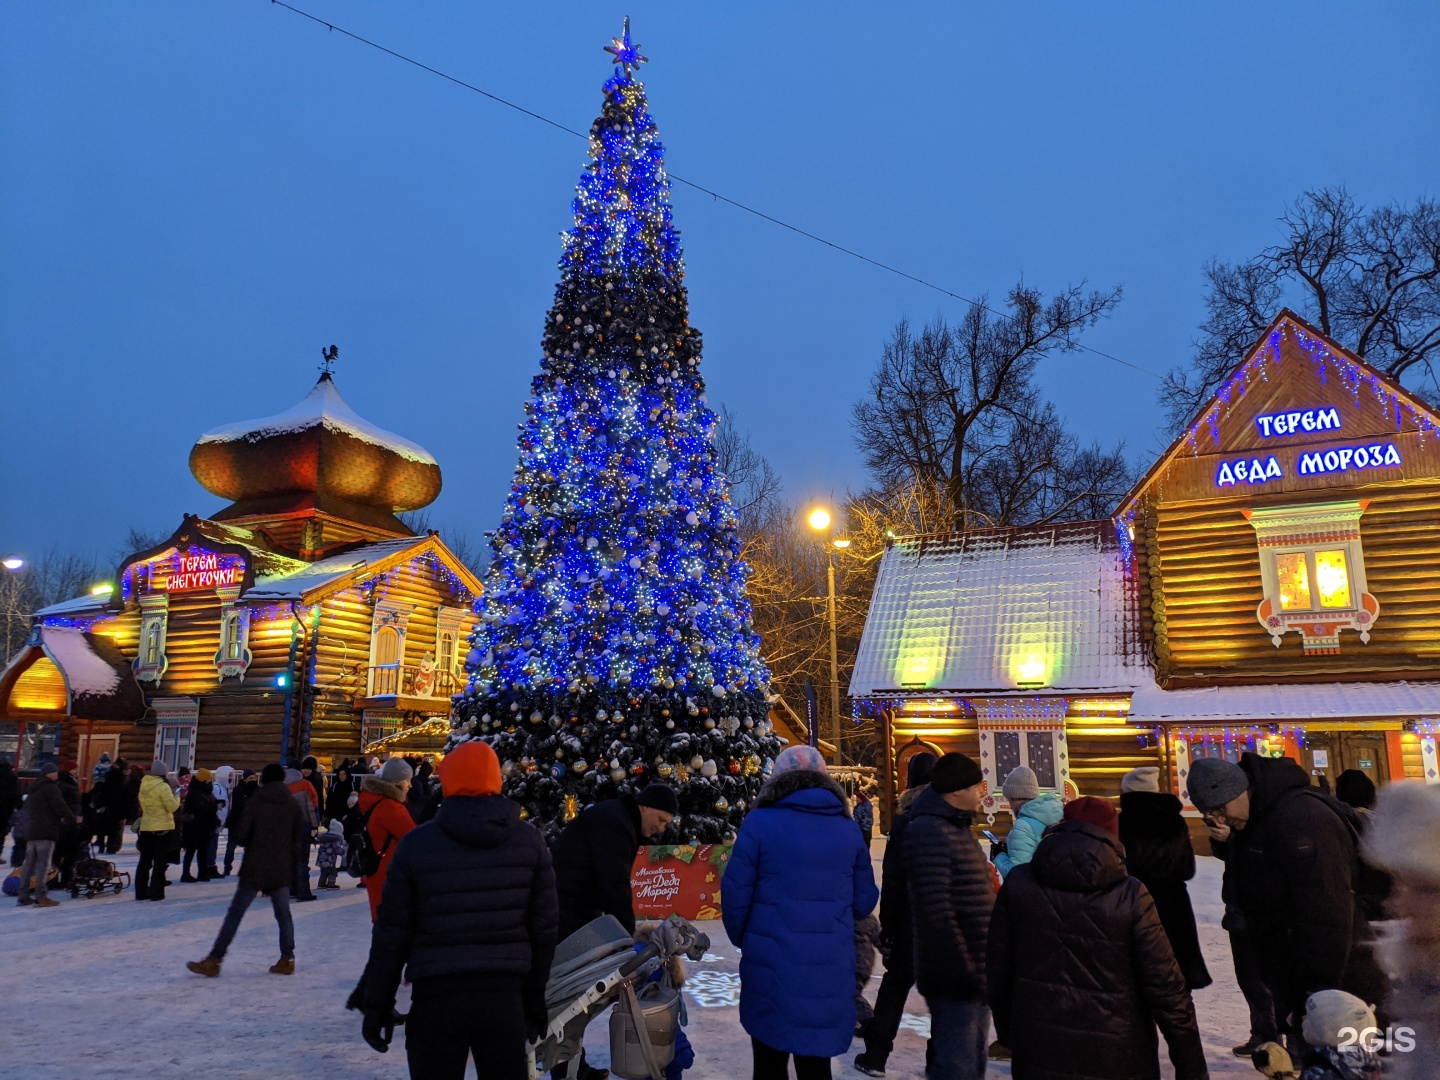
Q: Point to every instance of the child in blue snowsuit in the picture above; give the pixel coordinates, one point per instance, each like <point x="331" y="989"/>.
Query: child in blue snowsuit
<point x="671" y="973"/>
<point x="330" y="845"/>
<point x="1034" y="813"/>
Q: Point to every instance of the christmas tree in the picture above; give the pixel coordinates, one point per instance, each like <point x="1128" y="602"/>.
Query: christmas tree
<point x="614" y="646"/>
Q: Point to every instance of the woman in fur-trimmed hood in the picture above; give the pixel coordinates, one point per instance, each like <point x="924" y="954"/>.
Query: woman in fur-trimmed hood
<point x="382" y="802"/>
<point x="797" y="880"/>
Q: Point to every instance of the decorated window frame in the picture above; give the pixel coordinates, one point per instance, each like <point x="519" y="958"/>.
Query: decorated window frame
<point x="233" y="657"/>
<point x="450" y="648"/>
<point x="1021" y="732"/>
<point x="1312" y="572"/>
<point x="150" y="662"/>
<point x="177" y="722"/>
<point x="387" y="676"/>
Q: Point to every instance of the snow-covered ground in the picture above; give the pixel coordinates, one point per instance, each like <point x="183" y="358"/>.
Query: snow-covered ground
<point x="99" y="988"/>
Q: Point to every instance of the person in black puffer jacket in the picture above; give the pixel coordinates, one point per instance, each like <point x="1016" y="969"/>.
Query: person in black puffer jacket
<point x="951" y="895"/>
<point x="469" y="914"/>
<point x="1080" y="970"/>
<point x="240" y="796"/>
<point x="109" y="804"/>
<point x="596" y="852"/>
<point x="271" y="828"/>
<point x="200" y="818"/>
<point x="9" y="800"/>
<point x="1296" y="875"/>
<point x="896" y="939"/>
<point x="1159" y="853"/>
<point x="67" y="850"/>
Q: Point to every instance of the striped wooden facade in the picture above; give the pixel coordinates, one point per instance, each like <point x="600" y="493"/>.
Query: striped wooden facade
<point x="308" y="688"/>
<point x="1198" y="556"/>
<point x="1195" y="586"/>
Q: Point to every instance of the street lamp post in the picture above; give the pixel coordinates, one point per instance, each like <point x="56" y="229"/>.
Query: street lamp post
<point x="820" y="522"/>
<point x="14" y="564"/>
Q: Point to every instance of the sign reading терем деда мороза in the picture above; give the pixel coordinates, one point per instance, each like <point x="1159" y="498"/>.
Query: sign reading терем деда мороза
<point x="1257" y="469"/>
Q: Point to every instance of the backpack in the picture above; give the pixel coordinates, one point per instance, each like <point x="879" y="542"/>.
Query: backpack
<point x="364" y="860"/>
<point x="1372" y="886"/>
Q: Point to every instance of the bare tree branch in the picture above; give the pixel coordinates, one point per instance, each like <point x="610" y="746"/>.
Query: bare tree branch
<point x="955" y="410"/>
<point x="1369" y="280"/>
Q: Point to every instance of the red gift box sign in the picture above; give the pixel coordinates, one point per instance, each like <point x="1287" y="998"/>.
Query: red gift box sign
<point x="678" y="879"/>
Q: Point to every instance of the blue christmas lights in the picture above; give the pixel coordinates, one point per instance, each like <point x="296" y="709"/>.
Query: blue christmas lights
<point x="614" y="642"/>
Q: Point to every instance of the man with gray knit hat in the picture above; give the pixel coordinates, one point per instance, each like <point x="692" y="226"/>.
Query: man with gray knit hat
<point x="1293" y="867"/>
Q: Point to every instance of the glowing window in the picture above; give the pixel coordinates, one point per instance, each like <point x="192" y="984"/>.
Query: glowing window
<point x="447" y="652"/>
<point x="1293" y="576"/>
<point x="152" y="645"/>
<point x="1332" y="579"/>
<point x="232" y="637"/>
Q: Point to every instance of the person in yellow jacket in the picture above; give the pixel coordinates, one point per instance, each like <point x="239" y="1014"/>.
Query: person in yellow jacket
<point x="156" y="829"/>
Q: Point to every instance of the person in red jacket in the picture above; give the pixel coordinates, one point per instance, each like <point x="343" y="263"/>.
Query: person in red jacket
<point x="382" y="804"/>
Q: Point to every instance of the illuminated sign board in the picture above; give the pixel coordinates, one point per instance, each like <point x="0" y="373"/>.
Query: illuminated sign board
<point x="1298" y="420"/>
<point x="202" y="570"/>
<point x="1345" y="458"/>
<point x="1339" y="459"/>
<point x="1247" y="471"/>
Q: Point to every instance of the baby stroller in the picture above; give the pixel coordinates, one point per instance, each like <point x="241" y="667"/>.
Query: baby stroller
<point x="94" y="876"/>
<point x="598" y="966"/>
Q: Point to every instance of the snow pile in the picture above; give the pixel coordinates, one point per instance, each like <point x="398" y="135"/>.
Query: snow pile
<point x="85" y="673"/>
<point x="322" y="407"/>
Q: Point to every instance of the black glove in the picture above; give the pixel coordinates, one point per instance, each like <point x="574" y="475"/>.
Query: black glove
<point x="997" y="848"/>
<point x="378" y="1028"/>
<point x="537" y="1017"/>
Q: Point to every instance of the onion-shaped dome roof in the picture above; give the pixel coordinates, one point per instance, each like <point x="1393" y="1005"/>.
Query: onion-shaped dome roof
<point x="320" y="448"/>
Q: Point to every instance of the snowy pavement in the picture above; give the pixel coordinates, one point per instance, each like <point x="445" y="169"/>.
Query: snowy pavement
<point x="99" y="988"/>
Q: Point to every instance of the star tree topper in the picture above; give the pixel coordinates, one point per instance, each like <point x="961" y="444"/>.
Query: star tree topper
<point x="626" y="54"/>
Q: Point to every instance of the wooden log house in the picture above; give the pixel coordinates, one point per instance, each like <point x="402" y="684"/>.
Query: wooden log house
<point x="1272" y="584"/>
<point x="303" y="618"/>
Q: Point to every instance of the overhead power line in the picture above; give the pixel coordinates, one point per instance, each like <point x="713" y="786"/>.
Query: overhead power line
<point x="717" y="196"/>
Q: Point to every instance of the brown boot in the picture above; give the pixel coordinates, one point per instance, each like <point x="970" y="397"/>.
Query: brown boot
<point x="45" y="901"/>
<point x="209" y="967"/>
<point x="283" y="967"/>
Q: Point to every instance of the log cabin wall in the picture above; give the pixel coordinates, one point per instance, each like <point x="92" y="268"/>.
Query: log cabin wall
<point x="1103" y="748"/>
<point x="1203" y="564"/>
<point x="1198" y="557"/>
<point x="343" y="651"/>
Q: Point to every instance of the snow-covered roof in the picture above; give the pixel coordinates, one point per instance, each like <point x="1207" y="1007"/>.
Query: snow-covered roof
<point x="81" y="605"/>
<point x="316" y="575"/>
<point x="1003" y="611"/>
<point x="85" y="673"/>
<point x="98" y="681"/>
<point x="1276" y="702"/>
<point x="323" y="406"/>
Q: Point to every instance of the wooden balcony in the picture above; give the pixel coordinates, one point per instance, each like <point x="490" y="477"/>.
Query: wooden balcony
<point x="409" y="689"/>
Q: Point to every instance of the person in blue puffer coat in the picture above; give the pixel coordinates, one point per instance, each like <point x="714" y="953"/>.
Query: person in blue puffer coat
<point x="797" y="880"/>
<point x="1034" y="813"/>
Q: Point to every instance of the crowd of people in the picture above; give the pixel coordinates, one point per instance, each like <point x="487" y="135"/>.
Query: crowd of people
<point x="1074" y="938"/>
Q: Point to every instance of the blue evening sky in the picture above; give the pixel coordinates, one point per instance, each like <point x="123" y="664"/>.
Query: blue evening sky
<point x="198" y="197"/>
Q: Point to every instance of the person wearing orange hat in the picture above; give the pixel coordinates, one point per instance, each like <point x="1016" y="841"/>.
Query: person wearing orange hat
<point x="1079" y="970"/>
<point x="469" y="913"/>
